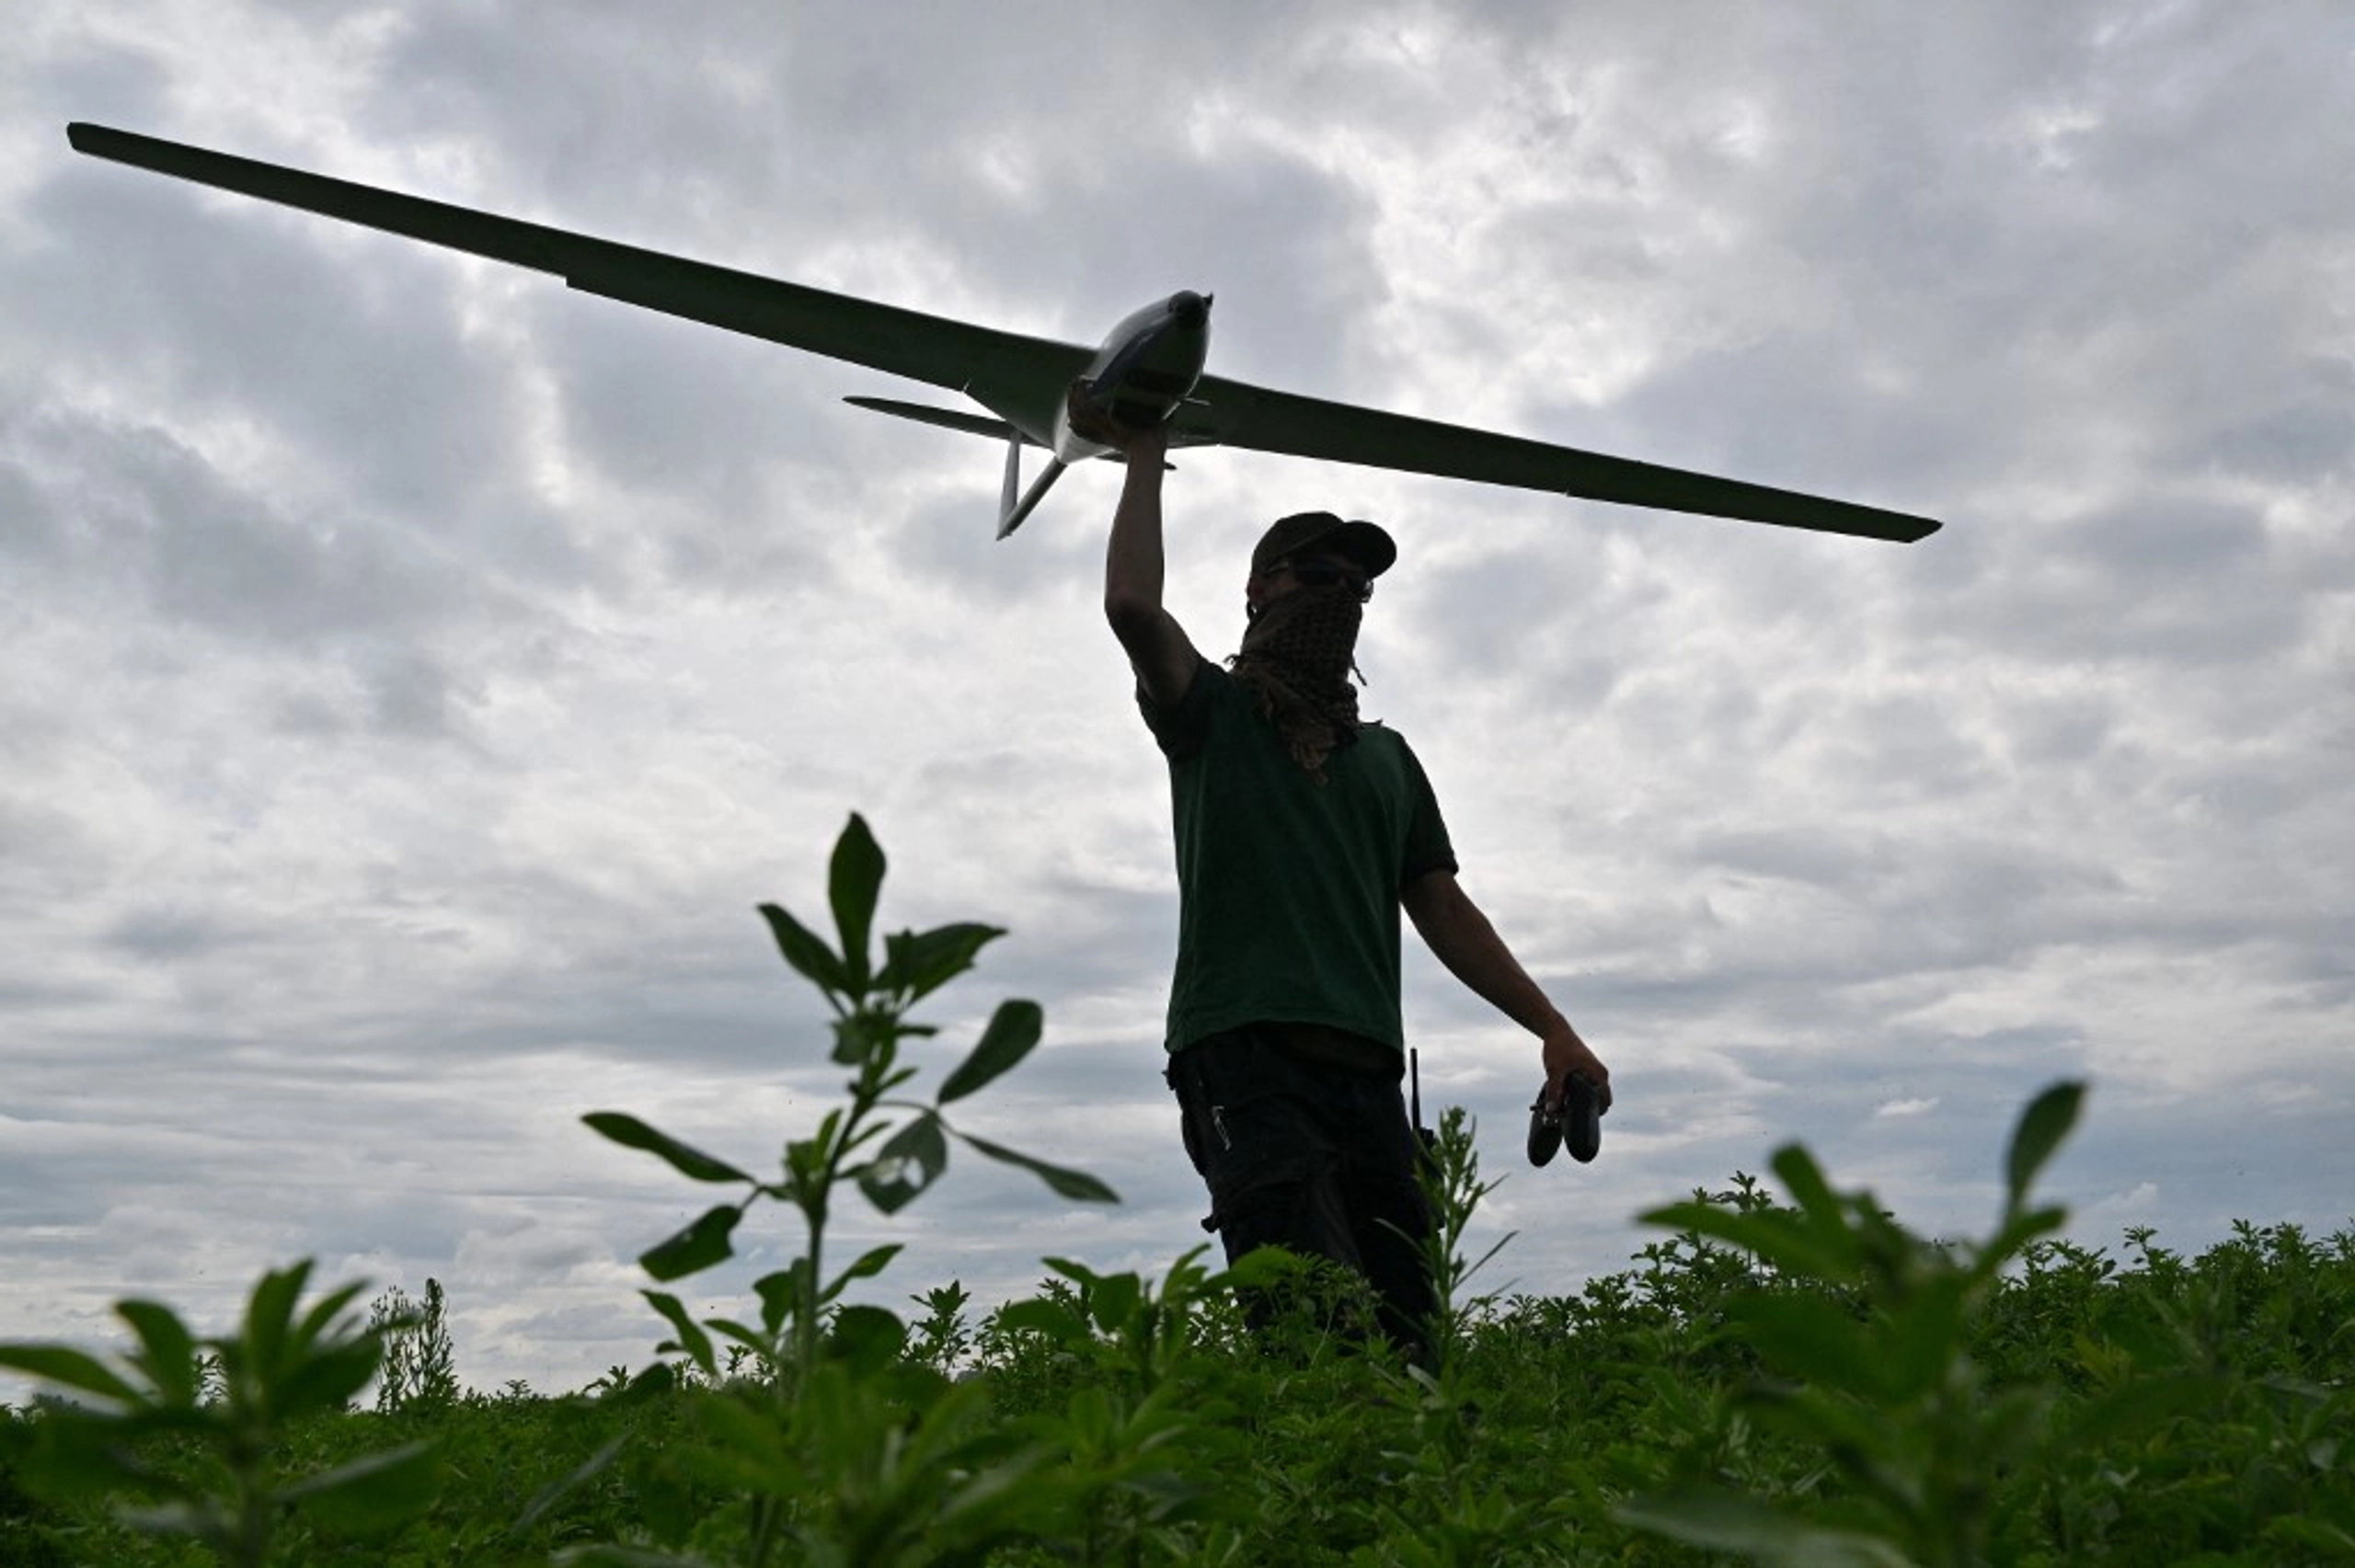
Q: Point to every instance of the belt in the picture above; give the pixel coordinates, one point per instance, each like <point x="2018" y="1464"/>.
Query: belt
<point x="1341" y="1048"/>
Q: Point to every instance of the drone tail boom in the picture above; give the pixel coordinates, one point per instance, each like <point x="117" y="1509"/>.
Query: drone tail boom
<point x="1011" y="511"/>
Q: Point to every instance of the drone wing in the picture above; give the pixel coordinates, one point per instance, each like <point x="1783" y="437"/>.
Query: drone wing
<point x="1232" y="413"/>
<point x="1022" y="378"/>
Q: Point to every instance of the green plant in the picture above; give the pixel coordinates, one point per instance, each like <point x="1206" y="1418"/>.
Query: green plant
<point x="846" y="1446"/>
<point x="419" y="1369"/>
<point x="1451" y="1186"/>
<point x="870" y="1003"/>
<point x="204" y="1461"/>
<point x="943" y="1338"/>
<point x="1315" y="1455"/>
<point x="1865" y="1331"/>
<point x="1138" y="1432"/>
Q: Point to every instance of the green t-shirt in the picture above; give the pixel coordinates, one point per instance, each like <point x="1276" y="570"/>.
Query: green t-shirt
<point x="1288" y="889"/>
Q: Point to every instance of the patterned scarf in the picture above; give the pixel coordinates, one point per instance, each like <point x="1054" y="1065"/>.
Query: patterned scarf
<point x="1298" y="657"/>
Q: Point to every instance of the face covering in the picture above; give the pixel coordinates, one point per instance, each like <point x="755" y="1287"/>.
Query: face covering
<point x="1297" y="657"/>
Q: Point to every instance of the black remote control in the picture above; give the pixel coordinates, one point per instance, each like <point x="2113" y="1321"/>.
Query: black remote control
<point x="1578" y="1121"/>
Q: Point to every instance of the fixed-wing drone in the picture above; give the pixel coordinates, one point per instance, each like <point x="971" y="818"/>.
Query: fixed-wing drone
<point x="1149" y="369"/>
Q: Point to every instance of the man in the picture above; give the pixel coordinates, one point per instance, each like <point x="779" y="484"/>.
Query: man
<point x="1301" y="832"/>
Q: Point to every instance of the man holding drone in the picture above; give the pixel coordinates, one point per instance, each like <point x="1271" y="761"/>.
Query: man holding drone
<point x="1301" y="832"/>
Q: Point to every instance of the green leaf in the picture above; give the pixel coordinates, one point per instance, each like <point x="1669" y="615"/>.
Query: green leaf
<point x="692" y="1338"/>
<point x="203" y="1518"/>
<point x="1262" y="1268"/>
<point x="656" y="1383"/>
<point x="2323" y="1540"/>
<point x="80" y="1453"/>
<point x="871" y="1033"/>
<point x="1722" y="1521"/>
<point x="911" y="1160"/>
<point x="920" y="964"/>
<point x="169" y="1350"/>
<point x="1013" y="1030"/>
<point x="868" y="1338"/>
<point x="1076" y="1185"/>
<point x="2041" y="1127"/>
<point x="807" y="952"/>
<point x="1078" y="1273"/>
<point x="556" y="1490"/>
<point x="323" y="1313"/>
<point x="751" y="1339"/>
<point x="1114" y="1298"/>
<point x="1806" y="1337"/>
<point x="1924" y="1338"/>
<point x="2013" y="1422"/>
<point x="1851" y="1432"/>
<point x="871" y="1265"/>
<point x="70" y="1368"/>
<point x="780" y="1293"/>
<point x="631" y="1133"/>
<point x="2140" y="1410"/>
<point x="1807" y="1184"/>
<point x="2016" y="1236"/>
<point x="1038" y="1315"/>
<point x="269" y="1315"/>
<point x="370" y="1493"/>
<point x="326" y="1380"/>
<point x="854" y="882"/>
<point x="697" y="1247"/>
<point x="1779" y="1237"/>
<point x="624" y="1557"/>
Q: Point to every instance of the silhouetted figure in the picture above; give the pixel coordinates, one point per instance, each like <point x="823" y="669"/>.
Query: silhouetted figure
<point x="1301" y="832"/>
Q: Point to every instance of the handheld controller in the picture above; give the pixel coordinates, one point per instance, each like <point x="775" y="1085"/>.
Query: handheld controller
<point x="1577" y="1121"/>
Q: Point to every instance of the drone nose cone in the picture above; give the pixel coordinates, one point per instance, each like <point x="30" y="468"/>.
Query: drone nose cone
<point x="1190" y="308"/>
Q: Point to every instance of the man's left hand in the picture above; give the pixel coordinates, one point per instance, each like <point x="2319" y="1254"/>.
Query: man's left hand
<point x="1567" y="1055"/>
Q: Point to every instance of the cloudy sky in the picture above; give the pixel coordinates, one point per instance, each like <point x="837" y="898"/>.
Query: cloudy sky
<point x="416" y="673"/>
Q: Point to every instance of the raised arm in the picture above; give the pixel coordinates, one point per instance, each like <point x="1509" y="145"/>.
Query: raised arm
<point x="1158" y="648"/>
<point x="1460" y="937"/>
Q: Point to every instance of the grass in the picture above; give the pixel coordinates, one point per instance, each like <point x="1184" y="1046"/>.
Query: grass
<point x="2192" y="1410"/>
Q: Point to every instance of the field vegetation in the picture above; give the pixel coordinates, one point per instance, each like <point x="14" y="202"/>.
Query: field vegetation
<point x="1787" y="1374"/>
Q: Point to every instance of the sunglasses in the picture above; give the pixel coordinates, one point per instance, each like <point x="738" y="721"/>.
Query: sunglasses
<point x="1319" y="572"/>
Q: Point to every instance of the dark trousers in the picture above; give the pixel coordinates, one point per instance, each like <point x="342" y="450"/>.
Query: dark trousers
<point x="1308" y="1148"/>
